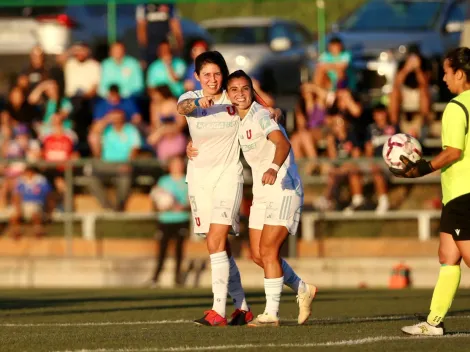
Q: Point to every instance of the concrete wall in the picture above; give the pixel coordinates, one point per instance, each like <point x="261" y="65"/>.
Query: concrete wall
<point x="125" y="272"/>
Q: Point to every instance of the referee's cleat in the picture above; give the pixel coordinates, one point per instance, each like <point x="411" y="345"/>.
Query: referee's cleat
<point x="211" y="318"/>
<point x="304" y="300"/>
<point x="424" y="329"/>
<point x="264" y="319"/>
<point x="241" y="317"/>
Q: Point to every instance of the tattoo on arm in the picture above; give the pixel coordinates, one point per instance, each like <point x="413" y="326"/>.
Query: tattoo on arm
<point x="186" y="106"/>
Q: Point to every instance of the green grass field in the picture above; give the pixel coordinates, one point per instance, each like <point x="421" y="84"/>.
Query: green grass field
<point x="160" y="320"/>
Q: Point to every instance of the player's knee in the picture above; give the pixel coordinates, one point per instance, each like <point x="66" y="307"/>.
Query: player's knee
<point x="268" y="254"/>
<point x="450" y="258"/>
<point x="256" y="257"/>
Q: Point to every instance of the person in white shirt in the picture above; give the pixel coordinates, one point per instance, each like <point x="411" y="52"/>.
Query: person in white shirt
<point x="277" y="197"/>
<point x="215" y="182"/>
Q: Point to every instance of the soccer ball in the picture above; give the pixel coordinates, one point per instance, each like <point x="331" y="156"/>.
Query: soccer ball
<point x="162" y="199"/>
<point x="398" y="145"/>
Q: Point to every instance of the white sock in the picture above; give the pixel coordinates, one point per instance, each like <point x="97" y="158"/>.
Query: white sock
<point x="291" y="279"/>
<point x="383" y="198"/>
<point x="220" y="272"/>
<point x="235" y="288"/>
<point x="273" y="290"/>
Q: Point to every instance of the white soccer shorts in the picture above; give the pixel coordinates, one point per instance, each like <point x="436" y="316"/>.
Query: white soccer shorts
<point x="279" y="209"/>
<point x="219" y="204"/>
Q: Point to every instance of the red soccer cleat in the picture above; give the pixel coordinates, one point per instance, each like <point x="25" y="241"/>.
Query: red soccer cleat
<point x="211" y="318"/>
<point x="241" y="317"/>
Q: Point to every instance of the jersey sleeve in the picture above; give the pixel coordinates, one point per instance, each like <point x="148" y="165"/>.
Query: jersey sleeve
<point x="453" y="127"/>
<point x="266" y="123"/>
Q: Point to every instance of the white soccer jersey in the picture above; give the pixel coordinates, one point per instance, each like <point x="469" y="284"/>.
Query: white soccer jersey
<point x="214" y="134"/>
<point x="259" y="153"/>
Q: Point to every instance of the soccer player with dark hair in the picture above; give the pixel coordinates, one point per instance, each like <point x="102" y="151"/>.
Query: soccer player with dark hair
<point x="454" y="163"/>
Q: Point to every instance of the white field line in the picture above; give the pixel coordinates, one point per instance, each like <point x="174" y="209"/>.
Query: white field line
<point x="356" y="342"/>
<point x="185" y="321"/>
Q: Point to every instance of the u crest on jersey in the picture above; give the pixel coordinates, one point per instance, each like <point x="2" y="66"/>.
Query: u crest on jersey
<point x="248" y="134"/>
<point x="231" y="110"/>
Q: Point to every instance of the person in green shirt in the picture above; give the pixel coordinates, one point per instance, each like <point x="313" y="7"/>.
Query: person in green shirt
<point x="454" y="163"/>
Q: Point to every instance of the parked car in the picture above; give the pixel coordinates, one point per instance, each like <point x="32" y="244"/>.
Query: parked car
<point x="379" y="33"/>
<point x="54" y="28"/>
<point x="279" y="53"/>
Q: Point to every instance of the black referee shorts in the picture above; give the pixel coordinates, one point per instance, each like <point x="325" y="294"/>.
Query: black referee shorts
<point x="455" y="218"/>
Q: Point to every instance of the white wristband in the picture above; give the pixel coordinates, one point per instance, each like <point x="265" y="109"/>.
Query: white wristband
<point x="275" y="167"/>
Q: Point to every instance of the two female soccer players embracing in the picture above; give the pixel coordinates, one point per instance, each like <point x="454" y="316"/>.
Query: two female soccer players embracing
<point x="219" y="123"/>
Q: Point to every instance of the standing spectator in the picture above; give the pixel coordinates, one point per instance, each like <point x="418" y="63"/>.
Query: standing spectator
<point x="351" y="109"/>
<point x="104" y="108"/>
<point x="18" y="110"/>
<point x="167" y="70"/>
<point x="120" y="143"/>
<point x="121" y="70"/>
<point x="155" y="23"/>
<point x="173" y="221"/>
<point x="31" y="201"/>
<point x="54" y="104"/>
<point x="59" y="145"/>
<point x="378" y="134"/>
<point x="190" y="81"/>
<point x="332" y="67"/>
<point x="411" y="87"/>
<point x="36" y="71"/>
<point x="167" y="135"/>
<point x="82" y="76"/>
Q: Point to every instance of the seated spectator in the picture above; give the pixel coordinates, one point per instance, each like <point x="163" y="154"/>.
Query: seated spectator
<point x="378" y="134"/>
<point x="54" y="104"/>
<point x="31" y="202"/>
<point x="56" y="72"/>
<point x="190" y="80"/>
<point x="310" y="114"/>
<point x="341" y="147"/>
<point x="411" y="88"/>
<point x="104" y="108"/>
<point x="120" y="143"/>
<point x="35" y="73"/>
<point x="121" y="70"/>
<point x="167" y="70"/>
<point x="59" y="145"/>
<point x="16" y="145"/>
<point x="333" y="66"/>
<point x="350" y="108"/>
<point x="82" y="76"/>
<point x="19" y="111"/>
<point x="167" y="135"/>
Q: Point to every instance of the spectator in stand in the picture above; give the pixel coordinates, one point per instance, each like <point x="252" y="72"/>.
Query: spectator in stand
<point x="31" y="202"/>
<point x="351" y="109"/>
<point x="59" y="145"/>
<point x="35" y="73"/>
<point x="190" y="80"/>
<point x="411" y="88"/>
<point x="82" y="76"/>
<point x="378" y="134"/>
<point x="173" y="222"/>
<point x="167" y="70"/>
<point x="155" y="23"/>
<point x="333" y="66"/>
<point x="18" y="110"/>
<point x="56" y="72"/>
<point x="108" y="106"/>
<point x="54" y="104"/>
<point x="121" y="70"/>
<point x="17" y="144"/>
<point x="312" y="126"/>
<point x="167" y="135"/>
<point x="342" y="146"/>
<point x="120" y="143"/>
